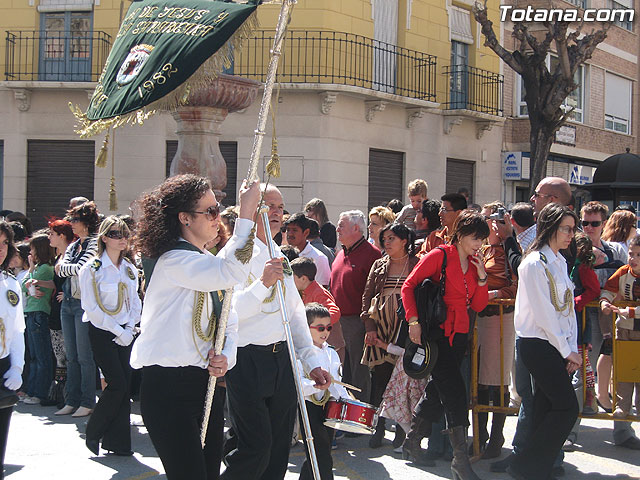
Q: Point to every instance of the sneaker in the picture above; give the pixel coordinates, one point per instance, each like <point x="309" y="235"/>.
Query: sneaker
<point x="590" y="404"/>
<point x="31" y="400"/>
<point x="568" y="446"/>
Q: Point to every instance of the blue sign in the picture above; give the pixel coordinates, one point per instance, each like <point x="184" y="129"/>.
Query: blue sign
<point x="512" y="165"/>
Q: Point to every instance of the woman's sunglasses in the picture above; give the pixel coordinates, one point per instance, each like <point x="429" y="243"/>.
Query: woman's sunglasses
<point x="211" y="213"/>
<point x="321" y="328"/>
<point x="116" y="234"/>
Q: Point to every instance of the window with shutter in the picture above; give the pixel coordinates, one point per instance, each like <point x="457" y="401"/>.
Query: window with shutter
<point x="386" y="170"/>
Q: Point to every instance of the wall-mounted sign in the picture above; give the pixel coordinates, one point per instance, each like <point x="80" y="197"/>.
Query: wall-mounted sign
<point x="580" y="174"/>
<point x="566" y="135"/>
<point x="512" y="165"/>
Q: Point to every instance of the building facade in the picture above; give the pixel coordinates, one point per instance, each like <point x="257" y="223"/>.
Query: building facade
<point x="605" y="108"/>
<point x="371" y="94"/>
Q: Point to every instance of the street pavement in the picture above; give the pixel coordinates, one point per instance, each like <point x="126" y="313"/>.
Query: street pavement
<point x="43" y="446"/>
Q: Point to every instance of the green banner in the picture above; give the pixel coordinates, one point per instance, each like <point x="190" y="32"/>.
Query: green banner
<point x="163" y="48"/>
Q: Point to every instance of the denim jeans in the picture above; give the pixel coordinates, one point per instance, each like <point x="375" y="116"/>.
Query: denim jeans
<point x="80" y="390"/>
<point x="40" y="355"/>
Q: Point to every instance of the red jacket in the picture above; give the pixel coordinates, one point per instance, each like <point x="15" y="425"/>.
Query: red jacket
<point x="457" y="297"/>
<point x="317" y="293"/>
<point x="591" y="285"/>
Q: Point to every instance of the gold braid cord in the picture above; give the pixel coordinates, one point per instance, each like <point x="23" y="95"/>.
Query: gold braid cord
<point x="323" y="401"/>
<point x="122" y="292"/>
<point x="244" y="254"/>
<point x="198" y="305"/>
<point x="3" y="335"/>
<point x="568" y="295"/>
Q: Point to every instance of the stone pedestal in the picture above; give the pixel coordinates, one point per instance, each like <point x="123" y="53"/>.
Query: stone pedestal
<point x="199" y="128"/>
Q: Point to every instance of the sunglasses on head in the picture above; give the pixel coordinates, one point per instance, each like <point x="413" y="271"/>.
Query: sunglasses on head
<point x="321" y="328"/>
<point x="594" y="223"/>
<point x="211" y="213"/>
<point x="116" y="234"/>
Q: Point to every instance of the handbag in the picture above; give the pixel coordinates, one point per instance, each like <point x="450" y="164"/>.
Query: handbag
<point x="74" y="285"/>
<point x="376" y="306"/>
<point x="432" y="310"/>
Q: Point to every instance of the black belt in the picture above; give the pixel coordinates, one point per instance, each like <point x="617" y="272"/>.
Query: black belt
<point x="273" y="348"/>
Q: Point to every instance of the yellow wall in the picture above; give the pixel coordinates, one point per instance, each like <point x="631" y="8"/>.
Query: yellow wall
<point x="428" y="32"/>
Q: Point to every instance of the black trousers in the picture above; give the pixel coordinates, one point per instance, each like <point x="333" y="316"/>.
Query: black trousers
<point x="555" y="409"/>
<point x="446" y="391"/>
<point x="322" y="437"/>
<point x="262" y="404"/>
<point x="5" y="416"/>
<point x="172" y="403"/>
<point x="379" y="379"/>
<point x="110" y="418"/>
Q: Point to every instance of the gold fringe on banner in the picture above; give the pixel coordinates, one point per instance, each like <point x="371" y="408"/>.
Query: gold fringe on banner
<point x="113" y="199"/>
<point x="101" y="159"/>
<point x="202" y="77"/>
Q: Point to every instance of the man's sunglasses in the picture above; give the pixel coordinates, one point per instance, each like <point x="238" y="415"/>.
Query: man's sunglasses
<point x="211" y="213"/>
<point x="116" y="234"/>
<point x="321" y="328"/>
<point x="594" y="223"/>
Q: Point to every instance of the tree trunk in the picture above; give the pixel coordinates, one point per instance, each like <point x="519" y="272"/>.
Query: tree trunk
<point x="541" y="138"/>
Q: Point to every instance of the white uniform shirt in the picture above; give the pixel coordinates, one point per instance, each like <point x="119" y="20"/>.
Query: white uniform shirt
<point x="261" y="323"/>
<point x="330" y="363"/>
<point x="13" y="319"/>
<point x="535" y="316"/>
<point x="167" y="337"/>
<point x="323" y="274"/>
<point x="107" y="278"/>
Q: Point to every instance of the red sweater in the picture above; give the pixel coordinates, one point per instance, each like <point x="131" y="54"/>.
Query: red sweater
<point x="455" y="296"/>
<point x="349" y="273"/>
<point x="591" y="285"/>
<point x="317" y="293"/>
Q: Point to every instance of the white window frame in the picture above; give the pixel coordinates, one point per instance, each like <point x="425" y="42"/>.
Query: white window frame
<point x="615" y="123"/>
<point x="578" y="113"/>
<point x="618" y="5"/>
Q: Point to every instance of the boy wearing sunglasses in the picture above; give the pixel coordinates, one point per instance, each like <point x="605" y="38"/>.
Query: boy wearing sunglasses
<point x="320" y="326"/>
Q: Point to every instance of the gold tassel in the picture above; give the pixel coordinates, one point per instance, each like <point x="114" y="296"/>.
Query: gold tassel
<point x="273" y="166"/>
<point x="101" y="159"/>
<point x="113" y="200"/>
<point x="245" y="253"/>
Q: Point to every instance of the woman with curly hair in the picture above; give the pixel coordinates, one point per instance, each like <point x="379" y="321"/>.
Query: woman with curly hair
<point x="179" y="317"/>
<point x="80" y="389"/>
<point x="109" y="287"/>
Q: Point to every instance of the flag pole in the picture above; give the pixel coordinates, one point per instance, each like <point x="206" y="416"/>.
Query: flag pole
<point x="252" y="175"/>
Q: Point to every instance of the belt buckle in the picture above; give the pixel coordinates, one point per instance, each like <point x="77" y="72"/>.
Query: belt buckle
<point x="275" y="348"/>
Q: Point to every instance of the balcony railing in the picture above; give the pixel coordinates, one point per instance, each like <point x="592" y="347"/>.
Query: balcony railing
<point x="341" y="58"/>
<point x="56" y="56"/>
<point x="474" y="89"/>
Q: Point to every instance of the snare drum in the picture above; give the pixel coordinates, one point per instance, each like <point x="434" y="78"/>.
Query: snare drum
<point x="351" y="416"/>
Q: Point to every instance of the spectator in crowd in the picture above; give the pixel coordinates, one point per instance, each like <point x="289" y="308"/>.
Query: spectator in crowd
<point x="297" y="227"/>
<point x="316" y="241"/>
<point x="348" y="278"/>
<point x="380" y="303"/>
<point x="23" y="220"/>
<point x="620" y="228"/>
<point x="4" y="213"/>
<point x="290" y="252"/>
<point x="75" y="201"/>
<point x="379" y="217"/>
<point x="452" y="205"/>
<point x="465" y="287"/>
<point x="316" y="209"/>
<point x="417" y="191"/>
<point x="19" y="232"/>
<point x="630" y="208"/>
<point x="80" y="389"/>
<point x="304" y="274"/>
<point x="37" y="289"/>
<point x="464" y="191"/>
<point x="427" y="220"/>
<point x="502" y="283"/>
<point x="547" y="336"/>
<point x="395" y="206"/>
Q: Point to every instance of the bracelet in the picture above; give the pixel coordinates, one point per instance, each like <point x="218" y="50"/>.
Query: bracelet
<point x="416" y="322"/>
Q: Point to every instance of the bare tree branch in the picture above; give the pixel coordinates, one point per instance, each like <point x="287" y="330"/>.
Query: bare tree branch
<point x="491" y="40"/>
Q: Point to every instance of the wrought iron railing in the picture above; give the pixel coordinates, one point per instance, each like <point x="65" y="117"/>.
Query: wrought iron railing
<point x="474" y="89"/>
<point x="341" y="58"/>
<point x="56" y="56"/>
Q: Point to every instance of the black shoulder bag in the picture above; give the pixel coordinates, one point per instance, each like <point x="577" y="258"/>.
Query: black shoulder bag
<point x="432" y="310"/>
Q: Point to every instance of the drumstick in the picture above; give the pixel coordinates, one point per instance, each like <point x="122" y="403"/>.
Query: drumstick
<point x="345" y="385"/>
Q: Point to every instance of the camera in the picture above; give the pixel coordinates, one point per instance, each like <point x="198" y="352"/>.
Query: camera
<point x="499" y="215"/>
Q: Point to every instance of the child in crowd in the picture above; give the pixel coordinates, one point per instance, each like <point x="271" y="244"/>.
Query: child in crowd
<point x="417" y="191"/>
<point x="624" y="284"/>
<point x="37" y="288"/>
<point x="304" y="274"/>
<point x="320" y="325"/>
<point x="587" y="289"/>
<point x="19" y="264"/>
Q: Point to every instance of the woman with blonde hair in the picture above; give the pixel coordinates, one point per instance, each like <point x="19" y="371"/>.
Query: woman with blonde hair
<point x="620" y="228"/>
<point x="109" y="295"/>
<point x="379" y="217"/>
